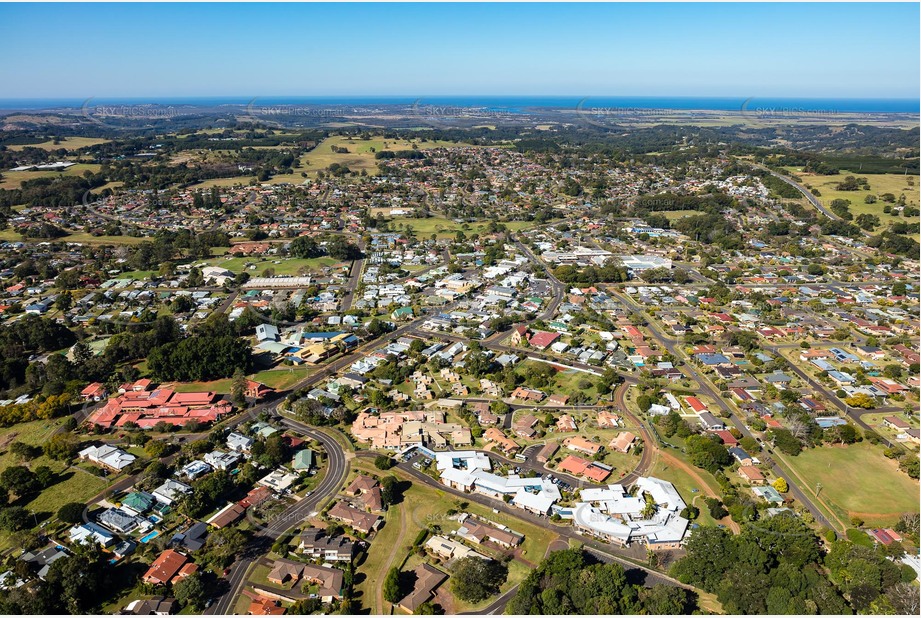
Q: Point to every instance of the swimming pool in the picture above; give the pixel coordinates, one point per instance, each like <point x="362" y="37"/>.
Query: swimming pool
<point x="154" y="519"/>
<point x="150" y="535"/>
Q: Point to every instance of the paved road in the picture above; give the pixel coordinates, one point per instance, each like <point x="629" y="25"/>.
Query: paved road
<point x="806" y="192"/>
<point x="354" y="280"/>
<point x="630" y="558"/>
<point x="337" y="469"/>
<point x="672" y="346"/>
<point x="559" y="288"/>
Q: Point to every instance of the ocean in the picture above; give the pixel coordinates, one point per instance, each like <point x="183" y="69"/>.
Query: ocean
<point x="509" y="104"/>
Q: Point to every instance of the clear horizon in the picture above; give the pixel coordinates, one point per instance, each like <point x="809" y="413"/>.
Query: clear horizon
<point x="449" y="50"/>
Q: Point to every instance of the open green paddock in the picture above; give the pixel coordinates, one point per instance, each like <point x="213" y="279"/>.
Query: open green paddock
<point x="896" y="184"/>
<point x="859" y="481"/>
<point x="12" y="180"/>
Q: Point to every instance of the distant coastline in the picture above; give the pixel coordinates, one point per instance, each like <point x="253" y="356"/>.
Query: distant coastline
<point x="508" y="104"/>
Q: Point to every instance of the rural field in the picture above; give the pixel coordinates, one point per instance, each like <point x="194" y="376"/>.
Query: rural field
<point x="896" y="184"/>
<point x="859" y="481"/>
<point x="446" y="228"/>
<point x="360" y="155"/>
<point x="68" y="143"/>
<point x="12" y="180"/>
<point x="72" y="483"/>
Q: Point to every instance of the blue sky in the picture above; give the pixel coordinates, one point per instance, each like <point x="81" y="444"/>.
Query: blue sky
<point x="169" y="50"/>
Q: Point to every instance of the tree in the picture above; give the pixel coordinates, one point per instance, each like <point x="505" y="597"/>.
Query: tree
<point x="861" y="400"/>
<point x="787" y="442"/>
<point x="156" y="448"/>
<point x="573" y="582"/>
<point x="72" y="512"/>
<point x="391" y="588"/>
<point x="716" y="508"/>
<point x="200" y="358"/>
<point x="383" y="462"/>
<point x="667" y="600"/>
<point x="226" y="544"/>
<point x="24" y="452"/>
<point x="238" y="388"/>
<point x="13" y="518"/>
<point x="475" y="579"/>
<point x="19" y="480"/>
<point x="62" y="447"/>
<point x="77" y="581"/>
<point x="305" y="247"/>
<point x="707" y="453"/>
<point x="190" y="591"/>
<point x="781" y="485"/>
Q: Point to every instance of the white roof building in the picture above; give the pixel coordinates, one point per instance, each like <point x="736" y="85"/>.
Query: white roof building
<point x="108" y="456"/>
<point x="238" y="442"/>
<point x="663" y="492"/>
<point x="220" y="460"/>
<point x="279" y="480"/>
<point x="91" y="533"/>
<point x="463" y="460"/>
<point x="611" y="514"/>
<point x="170" y="491"/>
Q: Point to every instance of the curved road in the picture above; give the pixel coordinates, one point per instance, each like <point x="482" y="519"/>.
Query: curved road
<point x="291" y="517"/>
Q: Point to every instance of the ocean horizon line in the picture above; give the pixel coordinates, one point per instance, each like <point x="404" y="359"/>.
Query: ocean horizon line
<point x="902" y="105"/>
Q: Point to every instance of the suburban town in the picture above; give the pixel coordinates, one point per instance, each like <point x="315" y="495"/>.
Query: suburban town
<point x="324" y="360"/>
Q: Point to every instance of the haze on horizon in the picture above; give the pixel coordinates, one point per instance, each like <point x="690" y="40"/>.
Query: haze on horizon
<point x="702" y="50"/>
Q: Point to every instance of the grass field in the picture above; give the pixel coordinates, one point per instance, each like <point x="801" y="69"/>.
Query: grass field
<point x="673" y="215"/>
<point x="12" y="180"/>
<point x="896" y="184"/>
<point x="70" y="143"/>
<point x="859" y="480"/>
<point x="77" y="486"/>
<point x="217" y="386"/>
<point x="427" y="506"/>
<point x="684" y="483"/>
<point x="280" y="379"/>
<point x="35" y="433"/>
<point x="360" y="155"/>
<point x="81" y="237"/>
<point x="445" y="228"/>
<point x="289" y="266"/>
<point x="72" y="484"/>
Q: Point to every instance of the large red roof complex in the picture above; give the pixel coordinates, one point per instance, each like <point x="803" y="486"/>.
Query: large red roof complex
<point x="147" y="408"/>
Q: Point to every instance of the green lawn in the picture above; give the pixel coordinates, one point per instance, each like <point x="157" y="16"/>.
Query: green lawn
<point x="672" y="215"/>
<point x="80" y="237"/>
<point x="72" y="484"/>
<point x="360" y="155"/>
<point x="859" y="480"/>
<point x="35" y="433"/>
<point x="445" y="228"/>
<point x="285" y="266"/>
<point x="684" y="483"/>
<point x="280" y="379"/>
<point x="78" y="486"/>
<point x="218" y="386"/>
